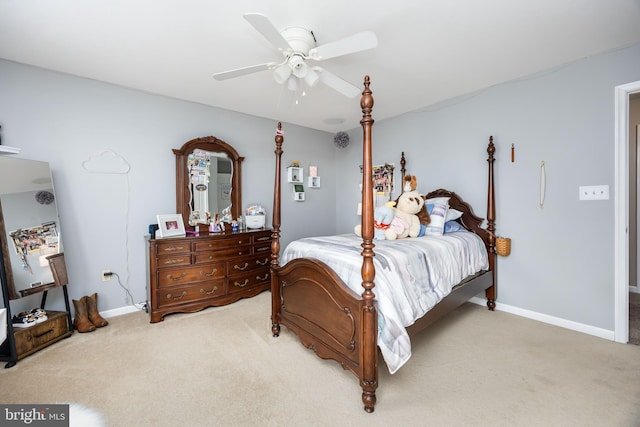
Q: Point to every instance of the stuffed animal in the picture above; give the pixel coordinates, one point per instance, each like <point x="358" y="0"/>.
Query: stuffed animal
<point x="405" y="221"/>
<point x="411" y="184"/>
<point x="382" y="217"/>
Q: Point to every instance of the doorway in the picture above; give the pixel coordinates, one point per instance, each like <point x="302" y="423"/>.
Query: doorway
<point x="621" y="229"/>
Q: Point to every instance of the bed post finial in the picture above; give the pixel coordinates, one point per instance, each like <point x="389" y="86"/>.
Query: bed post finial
<point x="275" y="234"/>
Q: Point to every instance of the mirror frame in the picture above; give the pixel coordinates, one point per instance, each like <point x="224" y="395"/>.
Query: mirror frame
<point x="6" y="260"/>
<point x="183" y="193"/>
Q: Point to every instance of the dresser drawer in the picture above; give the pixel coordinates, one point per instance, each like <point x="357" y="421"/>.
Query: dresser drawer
<point x="185" y="294"/>
<point x="251" y="279"/>
<point x="230" y="242"/>
<point x="239" y="265"/>
<point x="174" y="260"/>
<point x="29" y="340"/>
<point x="222" y="254"/>
<point x="180" y="276"/>
<point x="171" y="248"/>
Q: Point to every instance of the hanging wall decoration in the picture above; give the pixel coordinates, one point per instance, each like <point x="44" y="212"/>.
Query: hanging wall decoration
<point x="44" y="197"/>
<point x="341" y="139"/>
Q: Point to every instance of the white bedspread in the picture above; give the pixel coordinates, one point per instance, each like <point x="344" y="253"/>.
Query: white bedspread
<point x="412" y="275"/>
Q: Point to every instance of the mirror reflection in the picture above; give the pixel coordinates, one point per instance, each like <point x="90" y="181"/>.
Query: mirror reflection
<point x="29" y="224"/>
<point x="208" y="181"/>
<point x="210" y="186"/>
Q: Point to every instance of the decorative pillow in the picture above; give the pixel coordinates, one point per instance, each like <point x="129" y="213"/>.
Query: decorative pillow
<point x="452" y="226"/>
<point x="452" y="214"/>
<point x="437" y="208"/>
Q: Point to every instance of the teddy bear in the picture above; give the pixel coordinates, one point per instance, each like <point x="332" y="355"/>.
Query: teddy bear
<point x="382" y="217"/>
<point x="405" y="221"/>
<point x="411" y="184"/>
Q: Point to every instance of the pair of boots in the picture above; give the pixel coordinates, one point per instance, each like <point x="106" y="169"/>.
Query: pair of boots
<point x="87" y="318"/>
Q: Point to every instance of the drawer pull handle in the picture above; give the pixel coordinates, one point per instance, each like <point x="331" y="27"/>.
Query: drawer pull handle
<point x="263" y="239"/>
<point x="175" y="279"/>
<point x="242" y="285"/>
<point x="214" y="271"/>
<point x="244" y="267"/>
<point x="174" y="261"/>
<point x="262" y="249"/>
<point x="265" y="262"/>
<point x="202" y="291"/>
<point x="263" y="278"/>
<point x="44" y="333"/>
<point x="174" y="248"/>
<point x="240" y="242"/>
<point x="182" y="295"/>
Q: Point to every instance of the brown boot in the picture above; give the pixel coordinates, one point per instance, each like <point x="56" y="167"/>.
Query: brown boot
<point x="92" y="310"/>
<point x="81" y="320"/>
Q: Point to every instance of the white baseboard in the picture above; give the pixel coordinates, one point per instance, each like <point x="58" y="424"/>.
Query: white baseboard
<point x="120" y="311"/>
<point x="545" y="318"/>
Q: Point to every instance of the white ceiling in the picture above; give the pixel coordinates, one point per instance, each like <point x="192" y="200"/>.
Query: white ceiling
<point x="429" y="50"/>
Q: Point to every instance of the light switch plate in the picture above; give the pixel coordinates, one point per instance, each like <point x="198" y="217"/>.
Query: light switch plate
<point x="594" y="192"/>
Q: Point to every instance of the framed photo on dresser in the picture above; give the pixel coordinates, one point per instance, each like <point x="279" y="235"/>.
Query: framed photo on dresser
<point x="170" y="225"/>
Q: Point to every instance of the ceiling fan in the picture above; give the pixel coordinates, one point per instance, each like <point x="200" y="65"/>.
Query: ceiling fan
<point x="298" y="45"/>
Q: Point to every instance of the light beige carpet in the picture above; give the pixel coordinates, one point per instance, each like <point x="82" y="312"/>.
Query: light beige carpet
<point x="222" y="367"/>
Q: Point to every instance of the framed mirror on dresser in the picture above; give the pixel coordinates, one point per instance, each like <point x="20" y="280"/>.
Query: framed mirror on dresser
<point x="204" y="269"/>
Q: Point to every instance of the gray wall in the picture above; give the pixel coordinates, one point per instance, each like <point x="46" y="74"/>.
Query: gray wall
<point x="562" y="259"/>
<point x="71" y="122"/>
<point x="562" y="255"/>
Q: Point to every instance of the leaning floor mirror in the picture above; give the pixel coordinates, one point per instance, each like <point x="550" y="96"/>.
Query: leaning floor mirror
<point x="29" y="224"/>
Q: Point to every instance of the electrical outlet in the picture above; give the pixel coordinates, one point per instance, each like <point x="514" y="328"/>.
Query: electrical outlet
<point x="106" y="275"/>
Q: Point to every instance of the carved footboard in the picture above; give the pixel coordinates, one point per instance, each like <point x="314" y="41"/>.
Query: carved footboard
<point x="317" y="306"/>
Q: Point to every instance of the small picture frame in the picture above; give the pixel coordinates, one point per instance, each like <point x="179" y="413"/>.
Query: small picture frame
<point x="170" y="225"/>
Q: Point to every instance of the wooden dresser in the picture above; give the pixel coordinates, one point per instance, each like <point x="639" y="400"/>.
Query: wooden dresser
<point x="188" y="274"/>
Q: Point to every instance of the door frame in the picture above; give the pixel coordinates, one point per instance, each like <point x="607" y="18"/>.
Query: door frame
<point x="621" y="211"/>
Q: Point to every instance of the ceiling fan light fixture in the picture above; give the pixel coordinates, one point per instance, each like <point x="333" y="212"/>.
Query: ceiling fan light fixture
<point x="282" y="73"/>
<point x="311" y="78"/>
<point x="292" y="84"/>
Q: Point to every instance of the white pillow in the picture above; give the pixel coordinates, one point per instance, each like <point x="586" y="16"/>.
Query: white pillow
<point x="437" y="208"/>
<point x="453" y="214"/>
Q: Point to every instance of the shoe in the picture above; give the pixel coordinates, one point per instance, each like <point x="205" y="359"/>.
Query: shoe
<point x="92" y="311"/>
<point x="81" y="320"/>
<point x="23" y="320"/>
<point x="39" y="314"/>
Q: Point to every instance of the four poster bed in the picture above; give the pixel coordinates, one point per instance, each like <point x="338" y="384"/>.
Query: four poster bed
<point x="335" y="307"/>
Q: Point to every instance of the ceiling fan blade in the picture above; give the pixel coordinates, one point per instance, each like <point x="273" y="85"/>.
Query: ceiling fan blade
<point x="336" y="83"/>
<point x="244" y="71"/>
<point x="356" y="43"/>
<point x="268" y="31"/>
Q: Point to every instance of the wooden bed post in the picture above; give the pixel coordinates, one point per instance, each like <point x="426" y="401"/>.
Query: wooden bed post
<point x="275" y="236"/>
<point x="490" y="293"/>
<point x="369" y="349"/>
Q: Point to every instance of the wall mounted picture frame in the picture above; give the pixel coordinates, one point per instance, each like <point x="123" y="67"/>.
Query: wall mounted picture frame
<point x="170" y="225"/>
